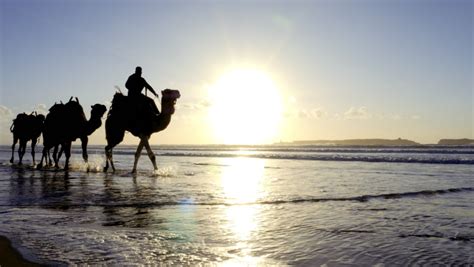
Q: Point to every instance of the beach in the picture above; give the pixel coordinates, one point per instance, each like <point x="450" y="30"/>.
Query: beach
<point x="220" y="205"/>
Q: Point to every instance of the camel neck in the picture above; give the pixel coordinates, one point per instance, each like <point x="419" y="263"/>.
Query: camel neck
<point x="92" y="124"/>
<point x="161" y="122"/>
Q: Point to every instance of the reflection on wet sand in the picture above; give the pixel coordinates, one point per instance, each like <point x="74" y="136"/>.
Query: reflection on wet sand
<point x="241" y="182"/>
<point x="58" y="190"/>
<point x="132" y="216"/>
<point x="52" y="192"/>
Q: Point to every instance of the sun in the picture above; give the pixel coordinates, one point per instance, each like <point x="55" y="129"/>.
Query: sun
<point x="246" y="108"/>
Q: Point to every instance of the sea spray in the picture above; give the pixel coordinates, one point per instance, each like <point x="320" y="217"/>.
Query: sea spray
<point x="167" y="171"/>
<point x="95" y="163"/>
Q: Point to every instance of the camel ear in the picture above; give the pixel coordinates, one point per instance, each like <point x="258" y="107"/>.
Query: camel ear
<point x="77" y="99"/>
<point x="61" y="102"/>
<point x="70" y="99"/>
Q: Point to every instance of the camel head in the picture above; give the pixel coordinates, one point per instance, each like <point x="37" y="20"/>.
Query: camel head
<point x="168" y="100"/>
<point x="98" y="110"/>
<point x="56" y="107"/>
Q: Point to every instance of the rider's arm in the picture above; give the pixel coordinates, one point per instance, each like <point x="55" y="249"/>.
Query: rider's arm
<point x="147" y="86"/>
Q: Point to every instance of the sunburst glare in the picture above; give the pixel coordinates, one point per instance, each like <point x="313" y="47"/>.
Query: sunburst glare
<point x="246" y="108"/>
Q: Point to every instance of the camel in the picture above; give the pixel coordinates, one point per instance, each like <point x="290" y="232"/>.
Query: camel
<point x="64" y="124"/>
<point x="25" y="128"/>
<point x="127" y="114"/>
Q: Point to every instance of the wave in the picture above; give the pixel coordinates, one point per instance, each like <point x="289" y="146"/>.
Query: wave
<point x="188" y="202"/>
<point x="361" y="158"/>
<point x="388" y="155"/>
<point x="469" y="150"/>
<point x="317" y="149"/>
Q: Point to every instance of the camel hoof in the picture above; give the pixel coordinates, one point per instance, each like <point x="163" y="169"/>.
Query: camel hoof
<point x="11" y="161"/>
<point x="39" y="167"/>
<point x="134" y="171"/>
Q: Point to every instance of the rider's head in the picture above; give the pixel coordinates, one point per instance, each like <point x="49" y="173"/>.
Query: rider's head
<point x="138" y="70"/>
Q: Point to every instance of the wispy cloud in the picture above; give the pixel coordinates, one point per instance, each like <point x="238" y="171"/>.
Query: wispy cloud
<point x="5" y="112"/>
<point x="201" y="105"/>
<point x="315" y="113"/>
<point x="360" y="113"/>
<point x="41" y="109"/>
<point x="318" y="113"/>
<point x="6" y="117"/>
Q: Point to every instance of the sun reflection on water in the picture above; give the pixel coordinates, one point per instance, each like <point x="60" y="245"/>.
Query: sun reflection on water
<point x="241" y="179"/>
<point x="241" y="182"/>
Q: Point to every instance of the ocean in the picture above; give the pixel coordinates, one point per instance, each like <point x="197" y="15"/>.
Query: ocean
<point x="245" y="206"/>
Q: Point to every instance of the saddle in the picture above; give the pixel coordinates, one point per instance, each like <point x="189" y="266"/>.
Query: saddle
<point x="136" y="111"/>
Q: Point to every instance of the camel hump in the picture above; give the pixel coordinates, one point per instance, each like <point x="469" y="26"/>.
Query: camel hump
<point x="21" y="116"/>
<point x="24" y="121"/>
<point x="56" y="108"/>
<point x="130" y="106"/>
<point x="18" y="121"/>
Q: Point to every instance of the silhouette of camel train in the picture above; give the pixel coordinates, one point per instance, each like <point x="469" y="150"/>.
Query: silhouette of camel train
<point x="67" y="122"/>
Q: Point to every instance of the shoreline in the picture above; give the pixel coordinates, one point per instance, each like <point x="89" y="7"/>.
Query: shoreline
<point x="10" y="256"/>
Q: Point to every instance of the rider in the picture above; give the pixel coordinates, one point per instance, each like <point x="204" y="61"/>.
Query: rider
<point x="135" y="85"/>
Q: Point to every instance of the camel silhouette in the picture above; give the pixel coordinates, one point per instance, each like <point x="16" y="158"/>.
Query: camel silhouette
<point x="25" y="128"/>
<point x="126" y="114"/>
<point x="64" y="124"/>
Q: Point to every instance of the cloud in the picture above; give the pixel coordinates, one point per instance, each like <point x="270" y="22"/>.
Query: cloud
<point x="303" y="114"/>
<point x="415" y="117"/>
<point x="360" y="113"/>
<point x="201" y="105"/>
<point x="6" y="117"/>
<point x="318" y="113"/>
<point x="315" y="113"/>
<point x="41" y="109"/>
<point x="396" y="117"/>
<point x="5" y="112"/>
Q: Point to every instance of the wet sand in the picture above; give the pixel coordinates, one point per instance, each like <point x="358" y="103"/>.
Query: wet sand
<point x="9" y="256"/>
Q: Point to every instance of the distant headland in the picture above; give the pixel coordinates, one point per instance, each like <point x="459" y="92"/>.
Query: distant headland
<point x="378" y="142"/>
<point x="456" y="142"/>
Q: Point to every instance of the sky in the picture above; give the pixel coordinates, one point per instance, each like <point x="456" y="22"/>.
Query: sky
<point x="341" y="69"/>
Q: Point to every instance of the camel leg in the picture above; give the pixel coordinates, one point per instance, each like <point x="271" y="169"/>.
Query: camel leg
<point x="67" y="151"/>
<point x="43" y="156"/>
<point x="21" y="150"/>
<point x="33" y="145"/>
<point x="109" y="158"/>
<point x="15" y="140"/>
<point x="108" y="155"/>
<point x="85" y="156"/>
<point x="57" y="155"/>
<point x="138" y="153"/>
<point x="151" y="155"/>
<point x="48" y="158"/>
